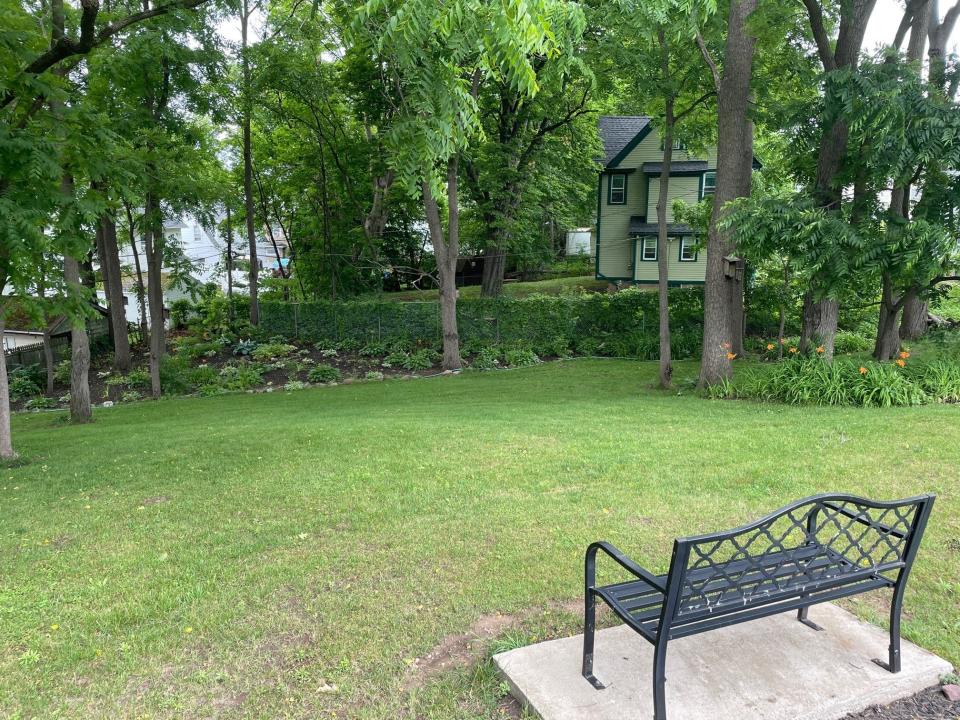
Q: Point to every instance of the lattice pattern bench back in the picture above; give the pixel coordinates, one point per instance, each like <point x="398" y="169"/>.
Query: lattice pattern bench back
<point x="822" y="540"/>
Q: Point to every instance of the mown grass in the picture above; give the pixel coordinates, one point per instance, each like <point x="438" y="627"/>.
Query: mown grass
<point x="554" y="286"/>
<point x="290" y="555"/>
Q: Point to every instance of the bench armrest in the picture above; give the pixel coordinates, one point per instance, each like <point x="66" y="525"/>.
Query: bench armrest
<point x="590" y="563"/>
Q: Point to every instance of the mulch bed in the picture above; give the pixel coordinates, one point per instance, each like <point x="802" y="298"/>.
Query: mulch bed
<point x="930" y="704"/>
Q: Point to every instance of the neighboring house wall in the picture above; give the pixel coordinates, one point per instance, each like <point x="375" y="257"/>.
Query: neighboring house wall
<point x="14" y="339"/>
<point x="620" y="253"/>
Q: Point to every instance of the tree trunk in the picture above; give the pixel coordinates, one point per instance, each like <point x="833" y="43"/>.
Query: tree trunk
<point x="113" y="289"/>
<point x="663" y="257"/>
<point x="48" y="359"/>
<point x="80" y="411"/>
<point x="494" y="266"/>
<point x="913" y="324"/>
<point x="447" y="250"/>
<point x="888" y="331"/>
<point x="376" y="220"/>
<point x="229" y="266"/>
<point x="819" y="324"/>
<point x="248" y="169"/>
<point x="153" y="242"/>
<point x="6" y="441"/>
<point x="140" y="287"/>
<point x="734" y="168"/>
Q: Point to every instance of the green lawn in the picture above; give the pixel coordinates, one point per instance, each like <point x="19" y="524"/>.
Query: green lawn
<point x="555" y="286"/>
<point x="290" y="555"/>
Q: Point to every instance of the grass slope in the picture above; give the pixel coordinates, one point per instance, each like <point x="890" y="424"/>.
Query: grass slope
<point x="290" y="555"/>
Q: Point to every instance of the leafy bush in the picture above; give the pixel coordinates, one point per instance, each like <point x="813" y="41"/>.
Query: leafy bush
<point x="22" y="384"/>
<point x="520" y="358"/>
<point x="850" y="342"/>
<point x="374" y="349"/>
<point x="245" y="348"/>
<point x="294" y="385"/>
<point x="131" y="396"/>
<point x="242" y="376"/>
<point x="41" y="403"/>
<point x="487" y="359"/>
<point x="420" y="360"/>
<point x="373" y="375"/>
<point x="174" y="375"/>
<point x="180" y="312"/>
<point x="397" y="357"/>
<point x="723" y="389"/>
<point x="323" y="373"/>
<point x="138" y="379"/>
<point x="200" y="349"/>
<point x="61" y="374"/>
<point x="203" y="375"/>
<point x="557" y="347"/>
<point x="271" y="350"/>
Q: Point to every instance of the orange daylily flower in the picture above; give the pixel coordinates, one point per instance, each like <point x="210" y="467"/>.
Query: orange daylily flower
<point x="904" y="355"/>
<point x="770" y="346"/>
<point x="901" y="362"/>
<point x="821" y="349"/>
<point x="731" y="355"/>
<point x="793" y="349"/>
<point x="863" y="370"/>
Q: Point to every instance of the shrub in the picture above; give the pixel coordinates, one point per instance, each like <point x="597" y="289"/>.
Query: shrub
<point x="138" y="379"/>
<point x="850" y="342"/>
<point x="884" y="385"/>
<point x="41" y="403"/>
<point x="420" y="360"/>
<point x="323" y="373"/>
<point x="174" y="372"/>
<point x="520" y="358"/>
<point x="245" y="348"/>
<point x="180" y="313"/>
<point x="558" y="347"/>
<point x="373" y="375"/>
<point x="397" y="357"/>
<point x="373" y="349"/>
<point x="131" y="396"/>
<point x="487" y="359"/>
<point x="242" y="376"/>
<point x="271" y="350"/>
<point x="203" y="375"/>
<point x="294" y="385"/>
<point x="61" y="375"/>
<point x="200" y="349"/>
<point x="723" y="389"/>
<point x="22" y="384"/>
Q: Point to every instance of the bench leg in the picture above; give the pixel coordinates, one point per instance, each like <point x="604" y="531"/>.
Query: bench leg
<point x="802" y="617"/>
<point x="893" y="663"/>
<point x="589" y="628"/>
<point x="659" y="680"/>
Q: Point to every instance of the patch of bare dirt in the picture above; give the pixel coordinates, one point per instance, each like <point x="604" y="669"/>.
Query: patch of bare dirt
<point x="929" y="704"/>
<point x="155" y="500"/>
<point x="462" y="649"/>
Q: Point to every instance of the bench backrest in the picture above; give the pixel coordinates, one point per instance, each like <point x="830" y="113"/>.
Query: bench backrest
<point x="815" y="541"/>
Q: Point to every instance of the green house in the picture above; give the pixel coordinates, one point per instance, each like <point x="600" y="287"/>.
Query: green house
<point x="627" y="192"/>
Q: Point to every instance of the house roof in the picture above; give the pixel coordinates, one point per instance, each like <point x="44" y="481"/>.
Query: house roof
<point x="617" y="131"/>
<point x="681" y="166"/>
<point x="639" y="226"/>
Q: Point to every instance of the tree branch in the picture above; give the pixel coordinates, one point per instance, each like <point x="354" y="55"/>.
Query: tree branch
<point x="703" y="98"/>
<point x="815" y="11"/>
<point x="65" y="47"/>
<point x="708" y="59"/>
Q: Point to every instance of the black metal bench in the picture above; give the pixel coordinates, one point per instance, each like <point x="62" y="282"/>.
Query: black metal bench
<point x="818" y="549"/>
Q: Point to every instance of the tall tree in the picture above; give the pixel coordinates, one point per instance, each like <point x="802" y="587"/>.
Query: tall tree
<point x="722" y="288"/>
<point x="246" y="103"/>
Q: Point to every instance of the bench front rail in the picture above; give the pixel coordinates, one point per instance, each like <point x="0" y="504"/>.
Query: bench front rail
<point x="815" y="550"/>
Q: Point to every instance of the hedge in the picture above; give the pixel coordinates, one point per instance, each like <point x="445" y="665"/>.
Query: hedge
<point x="623" y="324"/>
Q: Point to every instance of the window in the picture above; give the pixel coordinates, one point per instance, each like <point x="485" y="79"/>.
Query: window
<point x="688" y="249"/>
<point x="709" y="184"/>
<point x="677" y="145"/>
<point x="648" y="252"/>
<point x="618" y="190"/>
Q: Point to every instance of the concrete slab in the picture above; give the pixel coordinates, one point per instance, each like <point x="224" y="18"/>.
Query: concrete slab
<point x="770" y="669"/>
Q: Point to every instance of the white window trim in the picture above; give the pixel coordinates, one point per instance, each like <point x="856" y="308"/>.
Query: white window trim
<point x="622" y="189"/>
<point x="688" y="242"/>
<point x="704" y="192"/>
<point x="643" y="249"/>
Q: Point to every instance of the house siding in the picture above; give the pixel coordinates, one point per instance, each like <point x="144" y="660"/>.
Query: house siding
<point x="615" y="245"/>
<point x="686" y="188"/>
<point x="679" y="272"/>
